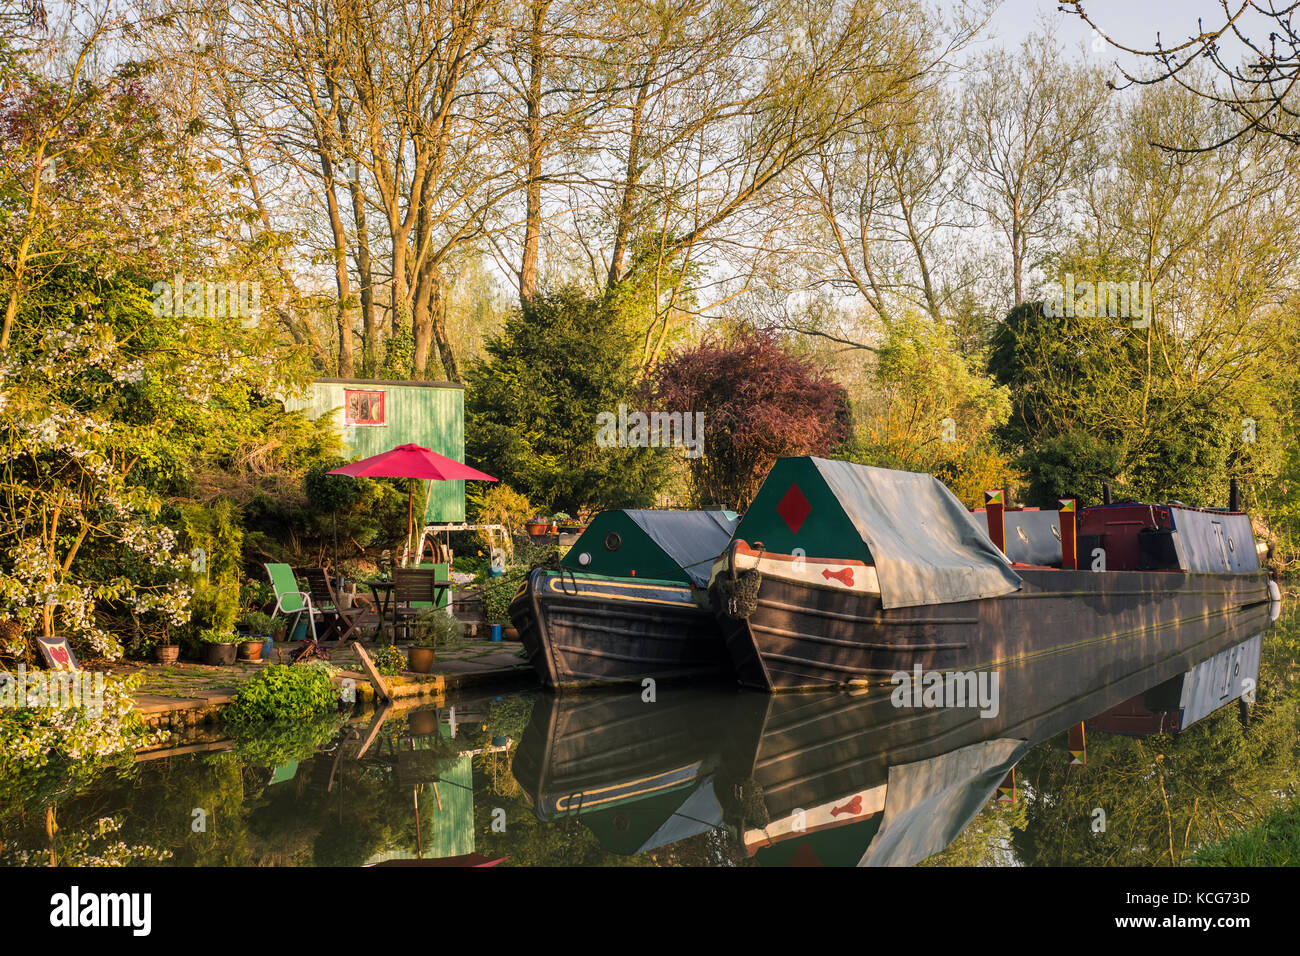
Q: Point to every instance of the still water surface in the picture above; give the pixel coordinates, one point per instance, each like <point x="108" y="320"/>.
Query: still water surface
<point x="1172" y="757"/>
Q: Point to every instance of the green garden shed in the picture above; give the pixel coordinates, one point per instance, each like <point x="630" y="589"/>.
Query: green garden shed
<point x="376" y="415"/>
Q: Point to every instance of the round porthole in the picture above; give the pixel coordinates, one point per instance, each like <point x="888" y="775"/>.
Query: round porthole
<point x="613" y="541"/>
<point x="585" y="558"/>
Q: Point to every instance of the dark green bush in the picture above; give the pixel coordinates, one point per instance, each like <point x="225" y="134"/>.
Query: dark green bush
<point x="498" y="592"/>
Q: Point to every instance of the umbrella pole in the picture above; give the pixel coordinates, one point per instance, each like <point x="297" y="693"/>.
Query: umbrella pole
<point x="410" y="509"/>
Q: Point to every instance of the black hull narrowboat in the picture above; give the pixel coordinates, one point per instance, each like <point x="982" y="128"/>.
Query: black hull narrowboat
<point x="638" y="774"/>
<point x="627" y="603"/>
<point x="855" y="778"/>
<point x="829" y="778"/>
<point x="801" y="638"/>
<point x="580" y="631"/>
<point x="843" y="575"/>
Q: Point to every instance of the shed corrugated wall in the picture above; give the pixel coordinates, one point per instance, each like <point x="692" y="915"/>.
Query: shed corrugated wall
<point x="426" y="414"/>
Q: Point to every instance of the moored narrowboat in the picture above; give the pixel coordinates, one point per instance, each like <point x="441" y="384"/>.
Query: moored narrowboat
<point x="843" y="574"/>
<point x="627" y="602"/>
<point x="853" y="778"/>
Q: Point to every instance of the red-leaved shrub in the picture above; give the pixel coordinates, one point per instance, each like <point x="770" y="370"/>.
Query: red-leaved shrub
<point x="760" y="403"/>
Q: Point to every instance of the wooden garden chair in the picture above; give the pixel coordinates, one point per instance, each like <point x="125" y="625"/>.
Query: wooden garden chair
<point x="340" y="624"/>
<point x="415" y="590"/>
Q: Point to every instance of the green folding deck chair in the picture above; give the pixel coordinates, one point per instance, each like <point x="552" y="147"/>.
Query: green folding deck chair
<point x="289" y="600"/>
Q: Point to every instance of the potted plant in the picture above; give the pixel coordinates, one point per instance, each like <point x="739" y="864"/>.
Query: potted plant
<point x="218" y="646"/>
<point x="166" y="652"/>
<point x="433" y="629"/>
<point x="13" y="640"/>
<point x="496" y="594"/>
<point x="423" y="723"/>
<point x="536" y="526"/>
<point x="422" y="653"/>
<point x="388" y="660"/>
<point x="258" y="633"/>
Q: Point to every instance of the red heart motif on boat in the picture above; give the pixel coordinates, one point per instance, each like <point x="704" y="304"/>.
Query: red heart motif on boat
<point x="844" y="576"/>
<point x="854" y="806"/>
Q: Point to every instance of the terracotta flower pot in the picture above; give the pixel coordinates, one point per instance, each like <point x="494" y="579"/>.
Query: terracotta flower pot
<point x="219" y="655"/>
<point x="510" y="633"/>
<point x="167" y="655"/>
<point x="250" y="650"/>
<point x="535" y="528"/>
<point x="420" y="659"/>
<point x="423" y="722"/>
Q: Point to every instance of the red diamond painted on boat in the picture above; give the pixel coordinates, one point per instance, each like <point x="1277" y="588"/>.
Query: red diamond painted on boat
<point x="794" y="508"/>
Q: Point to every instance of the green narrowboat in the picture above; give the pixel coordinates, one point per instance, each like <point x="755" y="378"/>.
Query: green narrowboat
<point x="628" y="601"/>
<point x="841" y="574"/>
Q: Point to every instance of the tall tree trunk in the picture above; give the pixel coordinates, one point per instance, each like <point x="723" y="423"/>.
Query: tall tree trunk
<point x="422" y="320"/>
<point x="438" y="321"/>
<point x="533" y="130"/>
<point x="369" y="320"/>
<point x="627" y="208"/>
<point x="342" y="281"/>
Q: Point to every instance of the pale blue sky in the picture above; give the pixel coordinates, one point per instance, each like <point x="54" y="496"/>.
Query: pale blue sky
<point x="1134" y="23"/>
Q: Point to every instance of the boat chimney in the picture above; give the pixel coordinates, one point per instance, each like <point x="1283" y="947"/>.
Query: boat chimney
<point x="1069" y="549"/>
<point x="1234" y="495"/>
<point x="1105" y="492"/>
<point x="993" y="508"/>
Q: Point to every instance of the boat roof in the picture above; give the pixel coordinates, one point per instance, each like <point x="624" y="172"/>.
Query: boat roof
<point x="662" y="545"/>
<point x="926" y="546"/>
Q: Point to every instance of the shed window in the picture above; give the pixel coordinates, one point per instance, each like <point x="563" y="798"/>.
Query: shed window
<point x="364" y="407"/>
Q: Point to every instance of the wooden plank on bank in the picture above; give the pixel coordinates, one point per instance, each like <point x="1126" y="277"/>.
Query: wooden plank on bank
<point x="376" y="680"/>
<point x="208" y="747"/>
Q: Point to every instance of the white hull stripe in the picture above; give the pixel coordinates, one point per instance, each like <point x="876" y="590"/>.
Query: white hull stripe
<point x="851" y="809"/>
<point x="829" y="575"/>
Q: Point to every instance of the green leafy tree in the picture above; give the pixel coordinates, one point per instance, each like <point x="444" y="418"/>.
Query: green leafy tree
<point x="533" y="402"/>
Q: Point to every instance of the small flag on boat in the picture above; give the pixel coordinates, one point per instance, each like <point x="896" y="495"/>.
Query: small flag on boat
<point x="1007" y="788"/>
<point x="1075" y="744"/>
<point x="1069" y="544"/>
<point x="993" y="506"/>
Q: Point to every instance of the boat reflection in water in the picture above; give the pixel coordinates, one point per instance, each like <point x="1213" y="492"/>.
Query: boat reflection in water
<point x="851" y="778"/>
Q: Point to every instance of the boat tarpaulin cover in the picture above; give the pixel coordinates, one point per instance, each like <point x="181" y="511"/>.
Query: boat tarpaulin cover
<point x="1217" y="541"/>
<point x="699" y="813"/>
<point x="693" y="539"/>
<point x="928" y="803"/>
<point x="926" y="545"/>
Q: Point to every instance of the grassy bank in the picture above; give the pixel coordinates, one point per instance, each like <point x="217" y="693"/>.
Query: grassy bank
<point x="1273" y="842"/>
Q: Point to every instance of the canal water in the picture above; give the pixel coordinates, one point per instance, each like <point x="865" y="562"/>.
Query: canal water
<point x="1184" y="750"/>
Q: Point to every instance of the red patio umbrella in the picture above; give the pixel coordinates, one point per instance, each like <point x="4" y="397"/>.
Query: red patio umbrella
<point x="411" y="461"/>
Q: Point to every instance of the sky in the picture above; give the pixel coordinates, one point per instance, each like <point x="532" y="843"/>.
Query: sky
<point x="1133" y="23"/>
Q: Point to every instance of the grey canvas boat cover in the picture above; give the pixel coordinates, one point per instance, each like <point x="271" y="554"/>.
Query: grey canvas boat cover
<point x="1220" y="542"/>
<point x="693" y="539"/>
<point x="928" y="803"/>
<point x="926" y="545"/>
